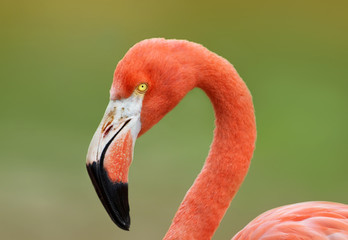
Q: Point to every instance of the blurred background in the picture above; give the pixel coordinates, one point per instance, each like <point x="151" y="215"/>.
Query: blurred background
<point x="57" y="62"/>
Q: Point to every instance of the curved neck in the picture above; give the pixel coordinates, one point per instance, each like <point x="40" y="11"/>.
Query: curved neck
<point x="228" y="161"/>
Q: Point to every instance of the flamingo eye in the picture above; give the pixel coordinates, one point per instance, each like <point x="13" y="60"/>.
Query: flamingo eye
<point x="142" y="87"/>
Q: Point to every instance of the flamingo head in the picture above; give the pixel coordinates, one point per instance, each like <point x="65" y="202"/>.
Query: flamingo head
<point x="148" y="82"/>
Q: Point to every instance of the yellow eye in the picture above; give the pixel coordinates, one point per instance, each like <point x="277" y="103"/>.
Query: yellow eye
<point x="142" y="87"/>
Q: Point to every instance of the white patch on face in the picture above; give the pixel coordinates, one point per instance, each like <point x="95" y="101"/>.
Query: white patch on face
<point x="117" y="113"/>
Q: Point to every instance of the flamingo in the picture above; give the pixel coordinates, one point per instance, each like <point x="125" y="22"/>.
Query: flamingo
<point x="150" y="80"/>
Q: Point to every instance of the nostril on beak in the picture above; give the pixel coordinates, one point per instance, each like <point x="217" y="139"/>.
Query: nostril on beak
<point x="107" y="130"/>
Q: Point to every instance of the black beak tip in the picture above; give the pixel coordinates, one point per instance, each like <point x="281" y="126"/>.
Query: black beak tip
<point x="123" y="225"/>
<point x="113" y="195"/>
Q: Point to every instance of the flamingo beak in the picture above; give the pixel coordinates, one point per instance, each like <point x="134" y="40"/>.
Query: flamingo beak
<point x="110" y="154"/>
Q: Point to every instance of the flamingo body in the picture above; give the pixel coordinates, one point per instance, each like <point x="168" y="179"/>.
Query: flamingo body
<point x="150" y="81"/>
<point x="302" y="221"/>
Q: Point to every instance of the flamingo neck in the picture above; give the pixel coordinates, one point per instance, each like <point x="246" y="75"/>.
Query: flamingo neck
<point x="228" y="160"/>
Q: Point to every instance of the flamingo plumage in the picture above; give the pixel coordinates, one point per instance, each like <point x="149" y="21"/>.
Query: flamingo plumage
<point x="150" y="81"/>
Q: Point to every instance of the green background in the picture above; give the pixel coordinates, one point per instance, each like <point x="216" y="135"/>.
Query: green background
<point x="57" y="62"/>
